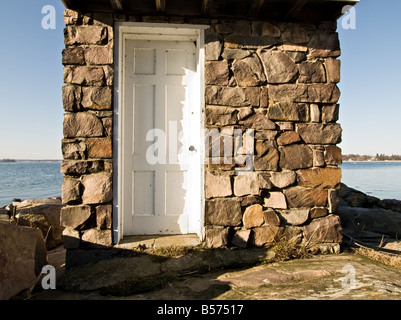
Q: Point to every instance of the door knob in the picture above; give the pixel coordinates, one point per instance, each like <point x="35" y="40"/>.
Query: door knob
<point x="192" y="148"/>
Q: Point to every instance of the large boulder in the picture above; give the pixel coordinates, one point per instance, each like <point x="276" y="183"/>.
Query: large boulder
<point x="43" y="214"/>
<point x="22" y="256"/>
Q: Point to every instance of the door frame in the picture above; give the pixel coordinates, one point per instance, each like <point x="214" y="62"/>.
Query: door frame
<point x="151" y="31"/>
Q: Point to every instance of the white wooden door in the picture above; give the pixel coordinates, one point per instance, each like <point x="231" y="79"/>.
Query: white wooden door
<point x="161" y="133"/>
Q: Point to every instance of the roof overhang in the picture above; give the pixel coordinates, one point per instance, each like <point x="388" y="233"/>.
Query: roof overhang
<point x="298" y="10"/>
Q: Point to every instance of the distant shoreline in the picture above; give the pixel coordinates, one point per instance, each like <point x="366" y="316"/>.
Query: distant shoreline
<point x="371" y="160"/>
<point x="27" y="160"/>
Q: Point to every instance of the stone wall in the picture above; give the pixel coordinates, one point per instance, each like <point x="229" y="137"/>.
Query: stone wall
<point x="278" y="79"/>
<point x="88" y="121"/>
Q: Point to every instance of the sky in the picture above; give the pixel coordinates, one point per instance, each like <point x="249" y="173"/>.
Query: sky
<point x="31" y="79"/>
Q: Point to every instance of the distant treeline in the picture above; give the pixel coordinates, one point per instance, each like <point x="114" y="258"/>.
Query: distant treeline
<point x="377" y="157"/>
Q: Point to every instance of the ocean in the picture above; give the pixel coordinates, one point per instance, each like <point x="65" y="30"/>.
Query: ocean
<point x="381" y="179"/>
<point x="32" y="179"/>
<point x="29" y="180"/>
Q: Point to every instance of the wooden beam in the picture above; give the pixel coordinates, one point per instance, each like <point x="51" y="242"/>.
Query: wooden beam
<point x="161" y="5"/>
<point x="255" y="8"/>
<point x="206" y="6"/>
<point x="297" y="6"/>
<point x="117" y="5"/>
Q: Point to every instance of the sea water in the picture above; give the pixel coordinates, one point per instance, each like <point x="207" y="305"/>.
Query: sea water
<point x="29" y="180"/>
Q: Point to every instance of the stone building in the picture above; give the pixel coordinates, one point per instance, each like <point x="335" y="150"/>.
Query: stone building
<point x="208" y="117"/>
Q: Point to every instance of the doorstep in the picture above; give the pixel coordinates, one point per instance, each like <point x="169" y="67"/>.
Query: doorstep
<point x="158" y="241"/>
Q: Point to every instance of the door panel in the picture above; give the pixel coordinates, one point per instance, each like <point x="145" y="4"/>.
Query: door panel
<point x="158" y="82"/>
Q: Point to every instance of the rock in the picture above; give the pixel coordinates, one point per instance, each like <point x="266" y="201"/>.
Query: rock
<point x="248" y="72"/>
<point x="298" y="197"/>
<point x="217" y="237"/>
<point x="324" y="44"/>
<point x="246" y="184"/>
<point x="253" y="216"/>
<point x="332" y="155"/>
<point x="295" y="217"/>
<point x="294" y="33"/>
<point x="318" y="158"/>
<point x="233" y="97"/>
<point x="104" y="216"/>
<point x="216" y="72"/>
<point x="306" y="93"/>
<point x="97" y="98"/>
<point x="323" y="230"/>
<point x="95" y="238"/>
<point x="73" y="56"/>
<point x="288" y="137"/>
<point x="241" y="28"/>
<point x="288" y="111"/>
<point x="330" y="113"/>
<point x="334" y="201"/>
<point x="333" y="69"/>
<point x="221" y="116"/>
<point x="223" y="212"/>
<point x="73" y="149"/>
<point x="76" y="168"/>
<point x="311" y="72"/>
<point x="264" y="181"/>
<point x="314" y="113"/>
<point x="354" y="198"/>
<point x="267" y="162"/>
<point x="319" y="177"/>
<point x="318" y="213"/>
<point x="265" y="29"/>
<point x="82" y="124"/>
<point x="232" y="54"/>
<point x="99" y="55"/>
<point x="265" y="235"/>
<point x="99" y="148"/>
<point x="258" y="121"/>
<point x="279" y="67"/>
<point x="213" y="46"/>
<point x="84" y="75"/>
<point x="71" y="238"/>
<point x="22" y="256"/>
<point x="217" y="185"/>
<point x="75" y="217"/>
<point x="296" y="156"/>
<point x="234" y="41"/>
<point x="283" y="179"/>
<point x="72" y="96"/>
<point x="271" y="218"/>
<point x="241" y="238"/>
<point x="71" y="190"/>
<point x="291" y="234"/>
<point x="98" y="188"/>
<point x="87" y="35"/>
<point x="276" y="200"/>
<point x="43" y="214"/>
<point x="319" y="133"/>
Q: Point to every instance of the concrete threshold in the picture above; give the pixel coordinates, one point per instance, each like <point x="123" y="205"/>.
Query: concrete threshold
<point x="158" y="241"/>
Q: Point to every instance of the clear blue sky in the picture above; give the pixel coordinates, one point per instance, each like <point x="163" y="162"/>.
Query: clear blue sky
<point x="31" y="80"/>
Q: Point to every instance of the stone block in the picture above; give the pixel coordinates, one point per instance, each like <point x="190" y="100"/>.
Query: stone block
<point x="73" y="55"/>
<point x="322" y="178"/>
<point x="75" y="217"/>
<point x="235" y="41"/>
<point x="213" y="47"/>
<point x="223" y="212"/>
<point x="258" y="121"/>
<point x="98" y="188"/>
<point x="288" y="137"/>
<point x="318" y="158"/>
<point x="334" y="201"/>
<point x="71" y="238"/>
<point x="73" y="149"/>
<point x="288" y="111"/>
<point x="217" y="73"/>
<point x="295" y="34"/>
<point x="296" y="156"/>
<point x="320" y="133"/>
<point x="217" y="237"/>
<point x="87" y="35"/>
<point x="104" y="218"/>
<point x="77" y="168"/>
<point x="99" y="148"/>
<point x="71" y="190"/>
<point x="239" y="28"/>
<point x="233" y="97"/>
<point x="97" y="98"/>
<point x="99" y="55"/>
<point x="330" y="113"/>
<point x="333" y="70"/>
<point x="275" y="200"/>
<point x="318" y="212"/>
<point x="221" y="116"/>
<point x="235" y="54"/>
<point x="271" y="218"/>
<point x="84" y="75"/>
<point x="265" y="235"/>
<point x="95" y="238"/>
<point x="248" y="72"/>
<point x="324" y="44"/>
<point x="72" y="96"/>
<point x="296" y="216"/>
<point x="82" y="124"/>
<point x="217" y="185"/>
<point x="323" y="230"/>
<point x="298" y="197"/>
<point x="283" y="179"/>
<point x="267" y="162"/>
<point x="253" y="216"/>
<point x="246" y="184"/>
<point x="308" y="93"/>
<point x="279" y="67"/>
<point x="241" y="238"/>
<point x="311" y="72"/>
<point x="332" y="155"/>
<point x="265" y="29"/>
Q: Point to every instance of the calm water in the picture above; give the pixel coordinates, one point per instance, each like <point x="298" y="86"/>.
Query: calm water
<point x="29" y="180"/>
<point x="32" y="180"/>
<point x="381" y="179"/>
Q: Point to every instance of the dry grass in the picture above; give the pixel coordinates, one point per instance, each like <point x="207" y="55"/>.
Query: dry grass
<point x="388" y="260"/>
<point x="288" y="250"/>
